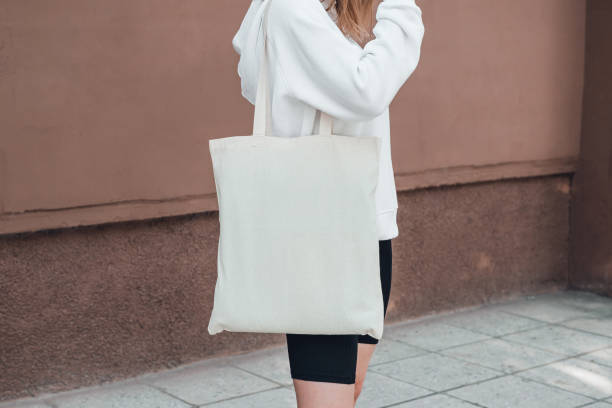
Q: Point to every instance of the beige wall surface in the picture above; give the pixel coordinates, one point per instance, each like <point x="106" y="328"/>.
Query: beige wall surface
<point x="107" y="108"/>
<point x="498" y="86"/>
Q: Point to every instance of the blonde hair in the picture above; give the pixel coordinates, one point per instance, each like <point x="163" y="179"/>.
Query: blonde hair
<point x="354" y="18"/>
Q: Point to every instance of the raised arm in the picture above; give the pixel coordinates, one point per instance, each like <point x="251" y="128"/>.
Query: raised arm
<point x="322" y="68"/>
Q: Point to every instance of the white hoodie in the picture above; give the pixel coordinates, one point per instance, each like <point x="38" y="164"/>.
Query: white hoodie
<point x="313" y="65"/>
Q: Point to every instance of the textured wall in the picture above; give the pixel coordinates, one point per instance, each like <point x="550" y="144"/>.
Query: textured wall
<point x="591" y="266"/>
<point x="471" y="244"/>
<point x="83" y="306"/>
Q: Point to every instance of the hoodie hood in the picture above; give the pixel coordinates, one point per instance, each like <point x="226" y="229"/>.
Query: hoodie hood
<point x="249" y="45"/>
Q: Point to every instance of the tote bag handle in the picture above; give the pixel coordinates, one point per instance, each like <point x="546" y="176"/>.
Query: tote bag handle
<point x="262" y="101"/>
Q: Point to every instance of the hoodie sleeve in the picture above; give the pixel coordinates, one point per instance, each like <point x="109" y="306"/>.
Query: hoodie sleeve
<point x="324" y="69"/>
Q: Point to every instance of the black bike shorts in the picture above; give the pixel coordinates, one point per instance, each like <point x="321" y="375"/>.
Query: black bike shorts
<point x="332" y="357"/>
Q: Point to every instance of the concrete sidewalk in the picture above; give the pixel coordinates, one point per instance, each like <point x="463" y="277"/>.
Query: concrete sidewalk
<point x="551" y="350"/>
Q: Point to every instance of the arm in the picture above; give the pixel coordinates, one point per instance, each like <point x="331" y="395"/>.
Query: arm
<point x="323" y="69"/>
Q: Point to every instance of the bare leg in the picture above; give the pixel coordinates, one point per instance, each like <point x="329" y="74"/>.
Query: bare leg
<point x="364" y="354"/>
<point x="317" y="394"/>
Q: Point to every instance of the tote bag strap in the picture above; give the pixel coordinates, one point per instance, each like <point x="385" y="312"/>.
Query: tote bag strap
<point x="262" y="100"/>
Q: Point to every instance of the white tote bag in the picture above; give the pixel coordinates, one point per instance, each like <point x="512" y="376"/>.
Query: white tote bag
<point x="298" y="247"/>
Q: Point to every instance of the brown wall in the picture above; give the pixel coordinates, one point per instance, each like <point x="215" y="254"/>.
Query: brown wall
<point x="591" y="266"/>
<point x="106" y="111"/>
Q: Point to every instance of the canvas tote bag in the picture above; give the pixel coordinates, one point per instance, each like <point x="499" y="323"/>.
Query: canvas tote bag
<point x="298" y="247"/>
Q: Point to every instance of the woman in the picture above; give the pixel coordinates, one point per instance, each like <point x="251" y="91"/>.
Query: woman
<point x="323" y="56"/>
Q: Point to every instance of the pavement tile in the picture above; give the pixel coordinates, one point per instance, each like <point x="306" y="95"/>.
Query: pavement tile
<point x="433" y="335"/>
<point x="560" y="339"/>
<point x="550" y="308"/>
<point x="603" y="357"/>
<point x="454" y="352"/>
<point x="490" y="321"/>
<point x="598" y="325"/>
<point x="576" y="375"/>
<point x="128" y="396"/>
<point x="436" y="401"/>
<point x="391" y="350"/>
<point x="35" y="405"/>
<point x="586" y="301"/>
<point x="502" y="355"/>
<point x="206" y="384"/>
<point x="272" y="364"/>
<point x="276" y="398"/>
<point x="514" y="392"/>
<point x="435" y="372"/>
<point x="18" y="404"/>
<point x="380" y="391"/>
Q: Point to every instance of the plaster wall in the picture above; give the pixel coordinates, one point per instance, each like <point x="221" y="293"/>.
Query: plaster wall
<point x="106" y="110"/>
